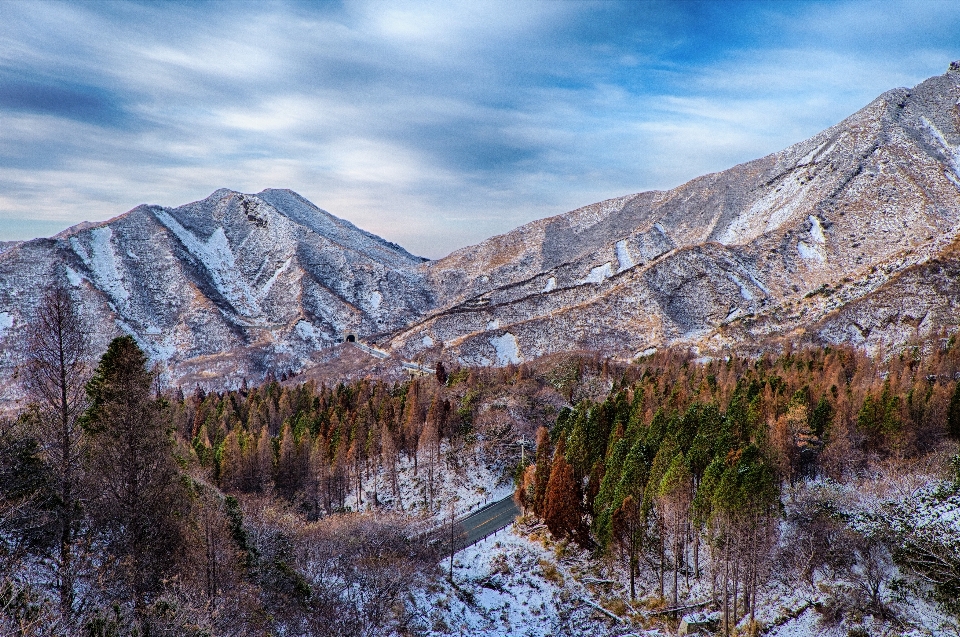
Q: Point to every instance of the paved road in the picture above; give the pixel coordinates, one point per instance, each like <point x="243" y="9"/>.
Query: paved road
<point x="486" y="521"/>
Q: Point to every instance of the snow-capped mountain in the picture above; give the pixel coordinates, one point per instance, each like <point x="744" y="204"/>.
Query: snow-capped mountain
<point x="850" y="236"/>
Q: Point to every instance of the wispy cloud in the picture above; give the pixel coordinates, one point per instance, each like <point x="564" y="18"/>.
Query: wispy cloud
<point x="433" y="124"/>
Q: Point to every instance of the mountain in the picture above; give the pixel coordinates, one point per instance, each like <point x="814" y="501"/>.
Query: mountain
<point x="850" y="236"/>
<point x="229" y="287"/>
<point x="846" y="237"/>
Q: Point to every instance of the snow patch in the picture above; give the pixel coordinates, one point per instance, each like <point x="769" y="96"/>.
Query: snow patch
<point x="427" y="341"/>
<point x="768" y="212"/>
<point x="623" y="256"/>
<point x="273" y="279"/>
<point x="816" y="230"/>
<point x="599" y="273"/>
<point x="74" y="278"/>
<point x="218" y="259"/>
<point x="307" y="331"/>
<point x="374" y="299"/>
<point x="744" y="289"/>
<point x="103" y="262"/>
<point x="952" y="152"/>
<point x="551" y="284"/>
<point x="79" y="249"/>
<point x="494" y="324"/>
<point x="6" y="322"/>
<point x="508" y="350"/>
<point x="822" y="149"/>
<point x="811" y="252"/>
<point x="781" y="202"/>
<point x="808" y="158"/>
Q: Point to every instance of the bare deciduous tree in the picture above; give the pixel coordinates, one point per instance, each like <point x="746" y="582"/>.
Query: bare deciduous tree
<point x="54" y="376"/>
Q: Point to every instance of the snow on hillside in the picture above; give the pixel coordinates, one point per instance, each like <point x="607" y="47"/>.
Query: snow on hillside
<point x="511" y="585"/>
<point x="522" y="582"/>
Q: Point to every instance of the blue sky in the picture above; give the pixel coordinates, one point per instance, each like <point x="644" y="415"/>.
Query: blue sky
<point x="435" y="125"/>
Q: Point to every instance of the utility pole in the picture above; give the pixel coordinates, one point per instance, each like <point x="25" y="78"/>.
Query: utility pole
<point x="522" y="442"/>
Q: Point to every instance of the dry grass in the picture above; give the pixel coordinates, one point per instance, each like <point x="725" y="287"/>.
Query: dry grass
<point x="550" y="572"/>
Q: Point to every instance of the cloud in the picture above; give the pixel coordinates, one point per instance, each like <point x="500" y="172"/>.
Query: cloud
<point x="432" y="124"/>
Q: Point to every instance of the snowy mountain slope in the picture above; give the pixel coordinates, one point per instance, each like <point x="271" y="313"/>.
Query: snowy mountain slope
<point x="848" y="209"/>
<point x="823" y="240"/>
<point x="255" y="285"/>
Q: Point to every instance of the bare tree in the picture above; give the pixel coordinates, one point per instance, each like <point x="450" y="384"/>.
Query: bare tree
<point x="54" y="377"/>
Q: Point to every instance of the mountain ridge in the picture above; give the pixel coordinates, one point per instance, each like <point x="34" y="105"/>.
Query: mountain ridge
<point x="241" y="285"/>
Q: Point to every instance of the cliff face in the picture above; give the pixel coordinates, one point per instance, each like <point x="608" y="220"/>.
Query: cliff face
<point x="849" y="236"/>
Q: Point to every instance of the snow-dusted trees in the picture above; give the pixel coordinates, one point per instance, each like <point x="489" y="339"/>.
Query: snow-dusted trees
<point x="342" y="576"/>
<point x="685" y="460"/>
<point x="327" y="448"/>
<point x="741" y="494"/>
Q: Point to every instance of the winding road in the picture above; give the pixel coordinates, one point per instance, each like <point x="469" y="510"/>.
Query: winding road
<point x="485" y="522"/>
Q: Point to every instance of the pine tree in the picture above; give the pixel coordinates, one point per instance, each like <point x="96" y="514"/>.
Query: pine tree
<point x="138" y="501"/>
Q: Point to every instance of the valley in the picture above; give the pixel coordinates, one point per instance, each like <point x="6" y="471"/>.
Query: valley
<point x="731" y="407"/>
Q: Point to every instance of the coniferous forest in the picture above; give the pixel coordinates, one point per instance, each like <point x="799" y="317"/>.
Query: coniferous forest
<point x="131" y="508"/>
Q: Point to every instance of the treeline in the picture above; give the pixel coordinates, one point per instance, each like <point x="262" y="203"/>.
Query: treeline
<point x="329" y="449"/>
<point x="686" y="457"/>
<point x="323" y="447"/>
<point x="127" y="508"/>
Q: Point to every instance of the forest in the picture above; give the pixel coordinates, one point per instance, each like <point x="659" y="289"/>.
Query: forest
<point x="685" y="460"/>
<point x="298" y="508"/>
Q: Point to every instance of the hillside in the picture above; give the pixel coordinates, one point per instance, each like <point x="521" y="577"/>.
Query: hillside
<point x="728" y="258"/>
<point x="229" y="287"/>
<point x="822" y="242"/>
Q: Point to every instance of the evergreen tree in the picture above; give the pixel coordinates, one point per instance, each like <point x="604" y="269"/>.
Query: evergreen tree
<point x="138" y="501"/>
<point x="562" y="505"/>
<point x="542" y="475"/>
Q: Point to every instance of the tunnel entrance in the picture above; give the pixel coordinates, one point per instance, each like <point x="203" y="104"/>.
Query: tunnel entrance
<point x="351" y="338"/>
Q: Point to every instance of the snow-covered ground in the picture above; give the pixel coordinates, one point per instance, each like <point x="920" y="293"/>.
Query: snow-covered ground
<point x="522" y="582"/>
<point x="462" y="478"/>
<point x="510" y="584"/>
